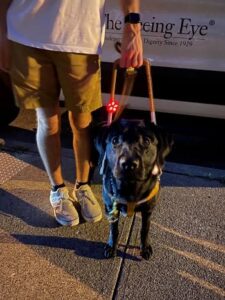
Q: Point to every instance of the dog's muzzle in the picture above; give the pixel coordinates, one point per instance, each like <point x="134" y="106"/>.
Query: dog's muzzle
<point x="128" y="164"/>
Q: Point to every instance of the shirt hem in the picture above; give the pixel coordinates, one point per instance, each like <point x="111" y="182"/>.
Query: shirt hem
<point x="56" y="47"/>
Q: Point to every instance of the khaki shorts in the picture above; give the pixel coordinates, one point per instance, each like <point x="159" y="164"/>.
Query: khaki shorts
<point x="39" y="75"/>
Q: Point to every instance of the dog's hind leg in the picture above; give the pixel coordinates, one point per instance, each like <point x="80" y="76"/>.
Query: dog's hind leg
<point x="146" y="249"/>
<point x="111" y="247"/>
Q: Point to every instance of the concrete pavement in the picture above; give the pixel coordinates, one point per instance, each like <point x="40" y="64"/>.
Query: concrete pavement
<point x="41" y="260"/>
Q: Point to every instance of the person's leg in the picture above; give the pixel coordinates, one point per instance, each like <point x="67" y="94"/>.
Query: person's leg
<point x="36" y="86"/>
<point x="49" y="146"/>
<point x="79" y="77"/>
<point x="90" y="208"/>
<point x="48" y="142"/>
<point x="79" y="123"/>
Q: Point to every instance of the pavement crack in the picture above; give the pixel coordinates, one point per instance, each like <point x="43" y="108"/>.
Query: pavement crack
<point x="119" y="275"/>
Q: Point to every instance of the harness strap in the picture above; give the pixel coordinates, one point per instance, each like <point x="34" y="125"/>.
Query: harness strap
<point x="113" y="214"/>
<point x="131" y="205"/>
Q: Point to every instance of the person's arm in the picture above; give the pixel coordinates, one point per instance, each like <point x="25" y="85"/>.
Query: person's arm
<point x="131" y="48"/>
<point x="4" y="42"/>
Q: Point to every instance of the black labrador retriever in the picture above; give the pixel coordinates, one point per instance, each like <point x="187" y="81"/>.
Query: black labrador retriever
<point x="131" y="154"/>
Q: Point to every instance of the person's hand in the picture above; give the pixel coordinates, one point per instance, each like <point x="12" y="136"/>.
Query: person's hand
<point x="131" y="48"/>
<point x="4" y="52"/>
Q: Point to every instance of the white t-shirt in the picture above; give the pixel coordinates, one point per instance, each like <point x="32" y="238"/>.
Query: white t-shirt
<point x="58" y="25"/>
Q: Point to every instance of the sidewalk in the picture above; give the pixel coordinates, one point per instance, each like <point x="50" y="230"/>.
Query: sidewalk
<point x="41" y="260"/>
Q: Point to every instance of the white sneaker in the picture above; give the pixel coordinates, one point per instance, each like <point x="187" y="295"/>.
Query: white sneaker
<point x="90" y="208"/>
<point x="63" y="206"/>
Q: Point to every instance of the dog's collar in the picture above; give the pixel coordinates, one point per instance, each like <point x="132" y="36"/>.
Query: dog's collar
<point x="114" y="213"/>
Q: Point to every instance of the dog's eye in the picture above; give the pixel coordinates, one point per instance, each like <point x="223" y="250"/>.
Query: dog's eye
<point x="147" y="140"/>
<point x="115" y="140"/>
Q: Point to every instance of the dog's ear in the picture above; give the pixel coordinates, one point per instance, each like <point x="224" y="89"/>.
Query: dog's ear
<point x="165" y="143"/>
<point x="99" y="138"/>
<point x="164" y="146"/>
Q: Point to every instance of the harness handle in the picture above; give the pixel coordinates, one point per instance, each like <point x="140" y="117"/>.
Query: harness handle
<point x="127" y="88"/>
<point x="147" y="65"/>
<point x="114" y="77"/>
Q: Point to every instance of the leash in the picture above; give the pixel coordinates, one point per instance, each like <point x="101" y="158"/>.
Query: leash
<point x="115" y="107"/>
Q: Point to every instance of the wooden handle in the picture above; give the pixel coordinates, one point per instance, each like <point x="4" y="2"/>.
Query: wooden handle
<point x="114" y="76"/>
<point x="129" y="73"/>
<point x="147" y="65"/>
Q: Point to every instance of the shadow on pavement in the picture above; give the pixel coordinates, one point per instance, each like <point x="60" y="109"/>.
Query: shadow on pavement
<point x="11" y="205"/>
<point x="19" y="134"/>
<point x="84" y="248"/>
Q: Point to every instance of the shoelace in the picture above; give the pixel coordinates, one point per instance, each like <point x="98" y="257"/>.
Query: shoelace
<point x="58" y="205"/>
<point x="59" y="208"/>
<point x="84" y="196"/>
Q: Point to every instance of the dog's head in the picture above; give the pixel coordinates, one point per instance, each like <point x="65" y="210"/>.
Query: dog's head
<point x="133" y="150"/>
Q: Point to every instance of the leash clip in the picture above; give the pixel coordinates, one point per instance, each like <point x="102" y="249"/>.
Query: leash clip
<point x="113" y="215"/>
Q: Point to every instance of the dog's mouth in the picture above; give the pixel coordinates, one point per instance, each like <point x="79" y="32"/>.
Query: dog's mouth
<point x="129" y="175"/>
<point x="131" y="178"/>
<point x="128" y="169"/>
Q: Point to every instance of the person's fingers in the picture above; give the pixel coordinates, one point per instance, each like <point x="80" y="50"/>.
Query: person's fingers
<point x="132" y="61"/>
<point x="139" y="60"/>
<point x="125" y="59"/>
<point x="131" y="53"/>
<point x="128" y="61"/>
<point x="131" y="58"/>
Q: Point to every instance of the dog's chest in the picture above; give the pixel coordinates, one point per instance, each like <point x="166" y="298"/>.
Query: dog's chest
<point x="114" y="204"/>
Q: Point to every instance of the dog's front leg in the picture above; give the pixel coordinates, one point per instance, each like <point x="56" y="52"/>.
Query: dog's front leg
<point x="111" y="246"/>
<point x="146" y="249"/>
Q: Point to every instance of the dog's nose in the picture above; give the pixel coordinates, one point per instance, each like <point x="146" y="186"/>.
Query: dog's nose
<point x="129" y="164"/>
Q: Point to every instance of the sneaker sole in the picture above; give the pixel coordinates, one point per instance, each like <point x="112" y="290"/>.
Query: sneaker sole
<point x="92" y="220"/>
<point x="69" y="224"/>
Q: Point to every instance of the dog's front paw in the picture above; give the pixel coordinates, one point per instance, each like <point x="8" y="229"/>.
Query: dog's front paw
<point x="146" y="252"/>
<point x="109" y="251"/>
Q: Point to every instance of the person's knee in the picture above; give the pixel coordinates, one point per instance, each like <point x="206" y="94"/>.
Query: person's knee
<point x="48" y="122"/>
<point x="79" y="121"/>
